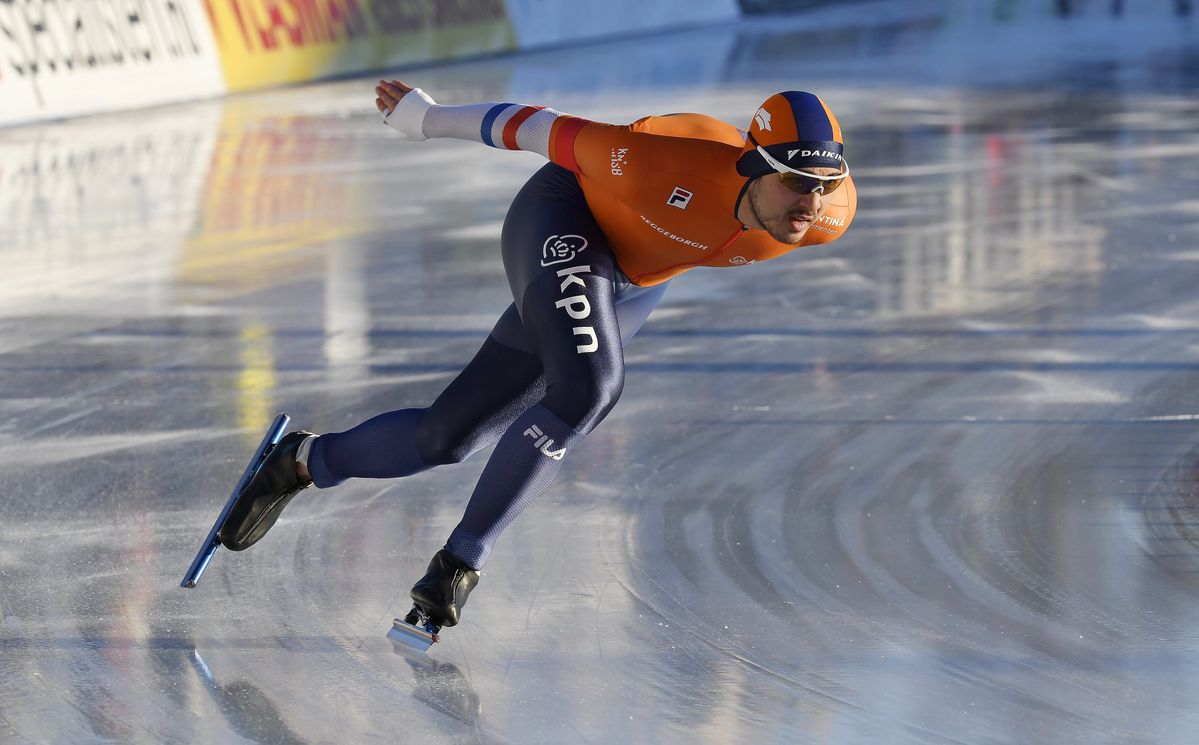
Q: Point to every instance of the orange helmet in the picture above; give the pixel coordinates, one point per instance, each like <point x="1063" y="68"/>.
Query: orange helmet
<point x="792" y="130"/>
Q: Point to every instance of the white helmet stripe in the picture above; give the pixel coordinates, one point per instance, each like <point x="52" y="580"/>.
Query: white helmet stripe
<point x="783" y="168"/>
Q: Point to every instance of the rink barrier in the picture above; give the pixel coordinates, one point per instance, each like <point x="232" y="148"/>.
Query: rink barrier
<point x="73" y="57"/>
<point x="539" y="23"/>
<point x="264" y="42"/>
<point x="761" y="7"/>
<point x="62" y="58"/>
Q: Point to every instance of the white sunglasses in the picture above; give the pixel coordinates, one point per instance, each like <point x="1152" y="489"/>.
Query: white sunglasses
<point x="805" y="182"/>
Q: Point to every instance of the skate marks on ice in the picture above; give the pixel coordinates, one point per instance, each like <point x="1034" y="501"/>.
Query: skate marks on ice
<point x="1169" y="510"/>
<point x="827" y="526"/>
<point x="988" y="561"/>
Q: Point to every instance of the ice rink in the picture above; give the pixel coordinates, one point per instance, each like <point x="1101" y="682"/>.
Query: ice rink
<point x="935" y="483"/>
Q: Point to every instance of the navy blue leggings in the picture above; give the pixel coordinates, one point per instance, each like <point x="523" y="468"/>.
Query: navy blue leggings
<point x="550" y="371"/>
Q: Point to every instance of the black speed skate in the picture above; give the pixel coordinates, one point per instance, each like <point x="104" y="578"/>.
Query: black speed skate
<point x="438" y="599"/>
<point x="262" y="500"/>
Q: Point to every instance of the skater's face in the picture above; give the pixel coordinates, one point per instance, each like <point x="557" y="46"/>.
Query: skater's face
<point x="783" y="212"/>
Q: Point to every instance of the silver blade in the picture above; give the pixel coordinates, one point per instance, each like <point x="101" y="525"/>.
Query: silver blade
<point x="411" y="636"/>
<point x="208" y="549"/>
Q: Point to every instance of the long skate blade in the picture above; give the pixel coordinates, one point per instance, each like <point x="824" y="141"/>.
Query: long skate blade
<point x="206" y="552"/>
<point x="411" y="636"/>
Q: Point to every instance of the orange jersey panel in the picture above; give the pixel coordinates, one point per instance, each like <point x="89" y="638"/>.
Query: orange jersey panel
<point x="665" y="190"/>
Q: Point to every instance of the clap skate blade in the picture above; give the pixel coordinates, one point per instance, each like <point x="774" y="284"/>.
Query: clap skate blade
<point x="206" y="552"/>
<point x="415" y="630"/>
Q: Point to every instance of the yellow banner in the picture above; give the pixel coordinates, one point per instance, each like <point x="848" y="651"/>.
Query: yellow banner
<point x="269" y="42"/>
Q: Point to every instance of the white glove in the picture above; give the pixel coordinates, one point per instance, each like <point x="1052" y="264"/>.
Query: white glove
<point x="408" y="117"/>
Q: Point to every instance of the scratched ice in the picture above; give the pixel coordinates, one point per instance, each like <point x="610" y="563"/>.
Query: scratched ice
<point x="933" y="484"/>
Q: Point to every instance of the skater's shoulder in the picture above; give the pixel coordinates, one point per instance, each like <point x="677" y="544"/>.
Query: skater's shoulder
<point x="691" y="126"/>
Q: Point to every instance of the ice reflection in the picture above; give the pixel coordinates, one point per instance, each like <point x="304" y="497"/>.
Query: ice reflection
<point x="996" y="209"/>
<point x="249" y="711"/>
<point x="888" y="487"/>
<point x="441" y="685"/>
<point x="81" y="203"/>
<point x="269" y="193"/>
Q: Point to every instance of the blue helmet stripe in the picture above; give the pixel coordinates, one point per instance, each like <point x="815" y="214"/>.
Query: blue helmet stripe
<point x="811" y="121"/>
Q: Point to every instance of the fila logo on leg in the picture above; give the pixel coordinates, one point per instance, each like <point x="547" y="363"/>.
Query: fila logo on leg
<point x="680" y="198"/>
<point x="544" y="444"/>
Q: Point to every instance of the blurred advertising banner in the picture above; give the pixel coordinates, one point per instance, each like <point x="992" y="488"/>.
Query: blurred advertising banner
<point x="269" y="42"/>
<point x="539" y="23"/>
<point x="63" y="58"/>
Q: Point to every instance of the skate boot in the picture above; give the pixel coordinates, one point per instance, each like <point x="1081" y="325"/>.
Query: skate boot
<point x="441" y="594"/>
<point x="262" y="500"/>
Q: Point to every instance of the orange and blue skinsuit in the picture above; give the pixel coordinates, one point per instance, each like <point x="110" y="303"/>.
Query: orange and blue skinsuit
<point x="663" y="189"/>
<point x="588" y="246"/>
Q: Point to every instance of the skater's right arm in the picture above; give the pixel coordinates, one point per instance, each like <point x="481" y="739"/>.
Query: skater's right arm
<point x="509" y="126"/>
<point x="506" y="126"/>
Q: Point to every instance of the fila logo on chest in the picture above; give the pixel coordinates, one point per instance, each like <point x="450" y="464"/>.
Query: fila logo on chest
<point x="680" y="198"/>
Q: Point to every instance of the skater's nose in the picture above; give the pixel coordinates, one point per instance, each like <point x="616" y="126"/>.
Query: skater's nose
<point x="810" y="201"/>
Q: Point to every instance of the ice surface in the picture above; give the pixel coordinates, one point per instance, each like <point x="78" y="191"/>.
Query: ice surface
<point x="932" y="484"/>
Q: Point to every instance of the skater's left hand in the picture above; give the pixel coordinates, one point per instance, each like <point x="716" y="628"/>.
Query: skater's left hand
<point x="388" y="93"/>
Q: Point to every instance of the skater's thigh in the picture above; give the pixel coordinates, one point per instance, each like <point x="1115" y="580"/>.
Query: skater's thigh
<point x="510" y="331"/>
<point x="563" y="277"/>
<point x="496" y="387"/>
<point x="633" y="306"/>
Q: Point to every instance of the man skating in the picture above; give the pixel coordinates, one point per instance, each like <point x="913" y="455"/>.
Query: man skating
<point x="589" y="245"/>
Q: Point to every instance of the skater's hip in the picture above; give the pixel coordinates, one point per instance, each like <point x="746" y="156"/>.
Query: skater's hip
<point x="550" y="230"/>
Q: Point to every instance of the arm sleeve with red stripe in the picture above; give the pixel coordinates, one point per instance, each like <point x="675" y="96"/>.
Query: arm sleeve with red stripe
<point x="616" y="156"/>
<point x="507" y="126"/>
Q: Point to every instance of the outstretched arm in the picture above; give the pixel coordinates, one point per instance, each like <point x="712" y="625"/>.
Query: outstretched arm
<point x="511" y="126"/>
<point x="507" y="126"/>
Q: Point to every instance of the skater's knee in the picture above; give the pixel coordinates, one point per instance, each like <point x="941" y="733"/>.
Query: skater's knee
<point x="440" y="443"/>
<point x="584" y="402"/>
